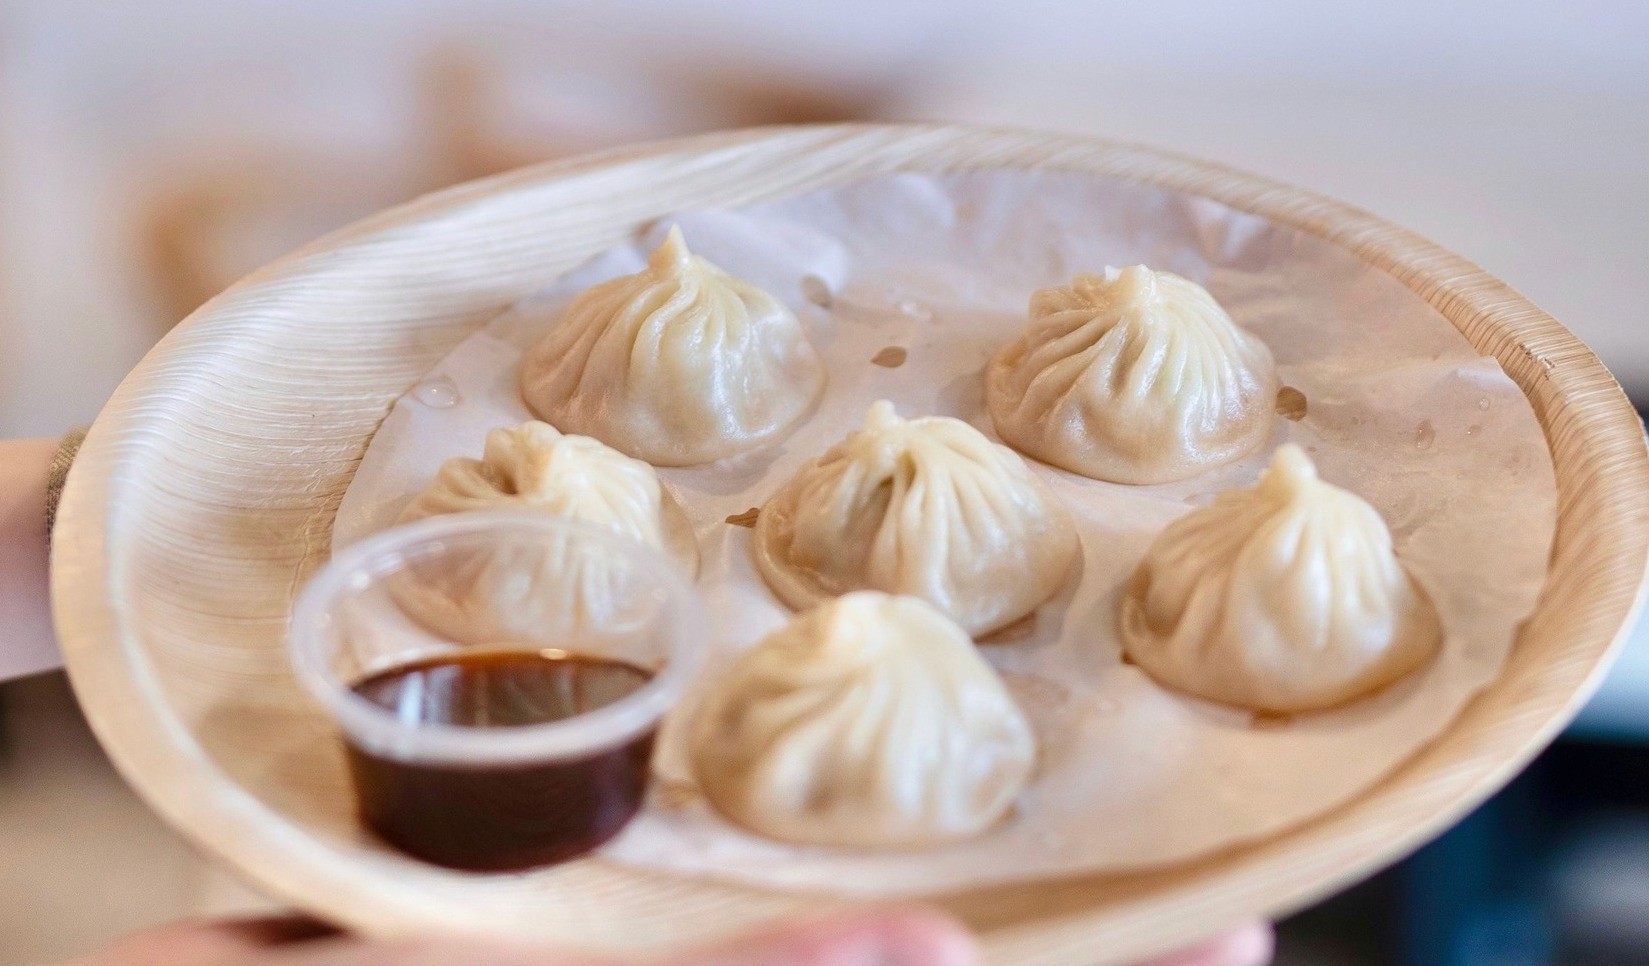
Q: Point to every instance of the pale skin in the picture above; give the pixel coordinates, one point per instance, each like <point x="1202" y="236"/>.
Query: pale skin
<point x="891" y="936"/>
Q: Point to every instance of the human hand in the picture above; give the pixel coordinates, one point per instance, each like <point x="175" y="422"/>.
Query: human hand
<point x="893" y="937"/>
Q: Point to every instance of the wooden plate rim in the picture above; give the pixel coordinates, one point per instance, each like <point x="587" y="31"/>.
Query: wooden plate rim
<point x="1603" y="536"/>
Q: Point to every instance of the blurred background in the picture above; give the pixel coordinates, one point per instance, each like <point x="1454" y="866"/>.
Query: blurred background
<point x="153" y="152"/>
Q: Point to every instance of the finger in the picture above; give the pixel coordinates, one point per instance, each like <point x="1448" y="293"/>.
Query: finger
<point x="884" y="937"/>
<point x="206" y="942"/>
<point x="1250" y="944"/>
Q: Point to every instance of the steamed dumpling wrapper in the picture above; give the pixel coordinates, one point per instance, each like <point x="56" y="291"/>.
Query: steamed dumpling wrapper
<point x="1284" y="597"/>
<point x="534" y="466"/>
<point x="540" y="592"/>
<point x="678" y="364"/>
<point x="928" y="507"/>
<point x="523" y="592"/>
<point x="1134" y="377"/>
<point x="868" y="721"/>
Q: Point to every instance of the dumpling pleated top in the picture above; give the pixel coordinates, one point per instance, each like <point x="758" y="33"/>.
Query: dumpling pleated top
<point x="678" y="364"/>
<point x="1284" y="597"/>
<point x="928" y="507"/>
<point x="1135" y="377"/>
<point x="534" y="466"/>
<point x="525" y="592"/>
<point x="868" y="721"/>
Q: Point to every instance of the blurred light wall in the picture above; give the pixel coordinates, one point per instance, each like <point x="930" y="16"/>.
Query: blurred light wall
<point x="151" y="152"/>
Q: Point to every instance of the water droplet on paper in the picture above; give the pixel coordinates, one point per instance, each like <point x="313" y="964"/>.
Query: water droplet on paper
<point x="912" y="309"/>
<point x="891" y="357"/>
<point x="817" y="291"/>
<point x="437" y="393"/>
<point x="1474" y="429"/>
<point x="1291" y="403"/>
<point x="1483" y="403"/>
<point x="1424" y="434"/>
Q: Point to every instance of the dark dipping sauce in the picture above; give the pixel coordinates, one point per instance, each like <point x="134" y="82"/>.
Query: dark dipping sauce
<point x="488" y="817"/>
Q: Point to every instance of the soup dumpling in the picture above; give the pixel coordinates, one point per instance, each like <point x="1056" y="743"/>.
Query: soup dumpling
<point x="1136" y="377"/>
<point x="1284" y="597"/>
<point x="678" y="364"/>
<point x="928" y="507"/>
<point x="868" y="721"/>
<point x="520" y="593"/>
